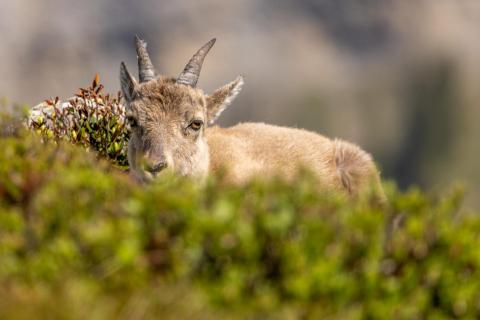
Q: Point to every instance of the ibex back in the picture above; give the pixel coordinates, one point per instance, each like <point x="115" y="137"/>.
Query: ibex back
<point x="171" y="128"/>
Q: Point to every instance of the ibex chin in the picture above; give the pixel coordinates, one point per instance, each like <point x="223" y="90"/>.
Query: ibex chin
<point x="171" y="120"/>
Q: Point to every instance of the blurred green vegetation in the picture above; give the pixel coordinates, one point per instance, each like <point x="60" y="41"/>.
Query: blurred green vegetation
<point x="80" y="240"/>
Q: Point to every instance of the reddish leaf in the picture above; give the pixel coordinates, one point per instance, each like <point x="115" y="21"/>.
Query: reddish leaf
<point x="96" y="81"/>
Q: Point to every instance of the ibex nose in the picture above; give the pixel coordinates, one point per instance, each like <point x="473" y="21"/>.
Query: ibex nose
<point x="156" y="167"/>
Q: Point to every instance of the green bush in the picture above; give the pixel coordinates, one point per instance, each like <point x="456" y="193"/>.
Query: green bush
<point x="79" y="239"/>
<point x="91" y="119"/>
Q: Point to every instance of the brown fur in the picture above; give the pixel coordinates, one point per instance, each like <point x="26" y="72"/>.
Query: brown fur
<point x="163" y="114"/>
<point x="250" y="150"/>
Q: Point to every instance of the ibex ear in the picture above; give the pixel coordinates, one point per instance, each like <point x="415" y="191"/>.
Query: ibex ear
<point x="127" y="83"/>
<point x="221" y="98"/>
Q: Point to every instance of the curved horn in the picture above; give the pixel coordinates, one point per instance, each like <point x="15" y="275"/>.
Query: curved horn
<point x="146" y="71"/>
<point x="190" y="74"/>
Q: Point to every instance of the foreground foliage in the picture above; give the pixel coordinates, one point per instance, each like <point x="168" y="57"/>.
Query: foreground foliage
<point x="80" y="240"/>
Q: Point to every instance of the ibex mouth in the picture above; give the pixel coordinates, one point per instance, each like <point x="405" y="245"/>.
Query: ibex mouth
<point x="149" y="176"/>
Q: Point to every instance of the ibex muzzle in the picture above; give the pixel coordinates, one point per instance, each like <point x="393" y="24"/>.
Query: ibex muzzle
<point x="170" y="119"/>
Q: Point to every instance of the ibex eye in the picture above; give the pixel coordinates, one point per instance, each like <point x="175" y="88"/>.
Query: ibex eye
<point x="196" y="124"/>
<point x="132" y="122"/>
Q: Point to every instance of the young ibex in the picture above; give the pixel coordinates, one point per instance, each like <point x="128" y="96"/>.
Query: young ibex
<point x="170" y="120"/>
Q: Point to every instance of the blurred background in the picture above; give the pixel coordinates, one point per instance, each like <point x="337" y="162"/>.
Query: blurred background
<point x="399" y="77"/>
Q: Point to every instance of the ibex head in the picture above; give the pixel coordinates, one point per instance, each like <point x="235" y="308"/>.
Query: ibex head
<point x="168" y="116"/>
